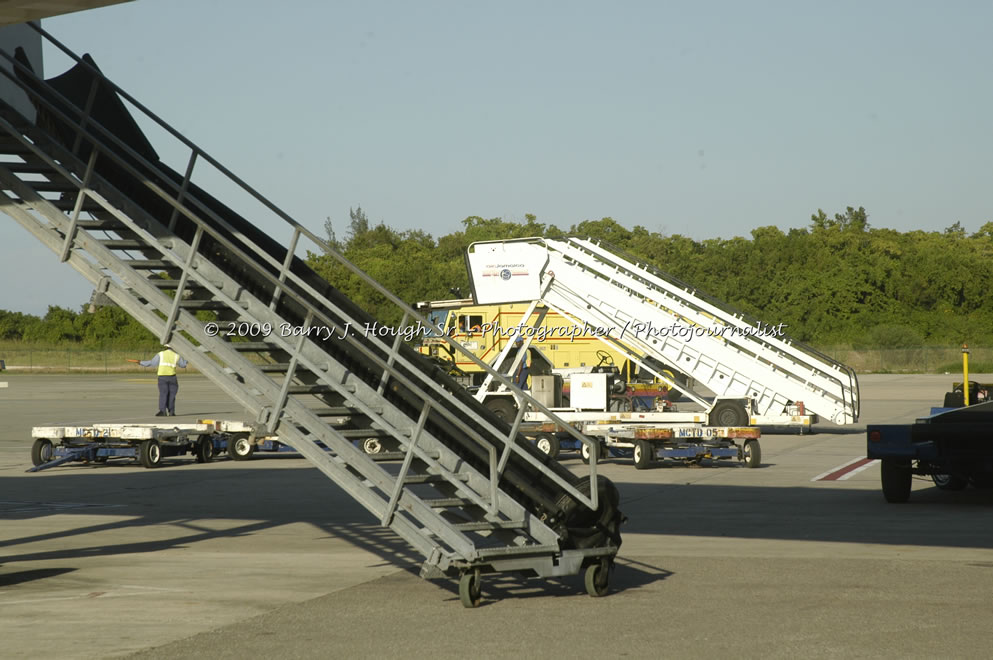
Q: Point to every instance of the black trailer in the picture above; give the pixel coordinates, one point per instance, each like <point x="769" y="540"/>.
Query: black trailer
<point x="953" y="447"/>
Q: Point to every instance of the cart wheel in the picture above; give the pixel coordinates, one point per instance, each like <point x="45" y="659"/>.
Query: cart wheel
<point x="752" y="454"/>
<point x="548" y="444"/>
<point x="204" y="450"/>
<point x="584" y="452"/>
<point x="42" y="451"/>
<point x="470" y="589"/>
<point x="895" y="476"/>
<point x="644" y="452"/>
<point x="597" y="578"/>
<point x="100" y="459"/>
<point x="150" y="453"/>
<point x="240" y="448"/>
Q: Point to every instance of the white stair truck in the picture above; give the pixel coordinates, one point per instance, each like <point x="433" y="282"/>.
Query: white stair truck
<point x="754" y="373"/>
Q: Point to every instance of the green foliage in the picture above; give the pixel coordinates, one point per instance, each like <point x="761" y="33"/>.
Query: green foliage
<point x="107" y="327"/>
<point x="893" y="336"/>
<point x="837" y="282"/>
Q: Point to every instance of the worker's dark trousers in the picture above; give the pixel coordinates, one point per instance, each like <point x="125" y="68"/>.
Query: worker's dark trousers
<point x="168" y="386"/>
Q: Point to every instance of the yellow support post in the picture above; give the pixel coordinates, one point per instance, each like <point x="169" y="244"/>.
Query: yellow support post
<point x="965" y="373"/>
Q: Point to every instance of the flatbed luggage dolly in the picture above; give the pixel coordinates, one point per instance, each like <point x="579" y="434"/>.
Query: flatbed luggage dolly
<point x="98" y="443"/>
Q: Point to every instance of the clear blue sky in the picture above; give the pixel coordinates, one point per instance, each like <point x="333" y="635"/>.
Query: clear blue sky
<point x="706" y="119"/>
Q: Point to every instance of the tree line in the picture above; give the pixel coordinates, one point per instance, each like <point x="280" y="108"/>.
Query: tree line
<point x="835" y="282"/>
<point x="105" y="327"/>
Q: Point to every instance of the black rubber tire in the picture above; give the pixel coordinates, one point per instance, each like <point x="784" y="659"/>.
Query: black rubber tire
<point x="728" y="413"/>
<point x="586" y="528"/>
<point x="470" y="590"/>
<point x="644" y="454"/>
<point x="150" y="454"/>
<point x="597" y="579"/>
<point x="203" y="450"/>
<point x="548" y="443"/>
<point x="42" y="451"/>
<point x="502" y="407"/>
<point x="949" y="481"/>
<point x="240" y="448"/>
<point x="751" y="453"/>
<point x="895" y="477"/>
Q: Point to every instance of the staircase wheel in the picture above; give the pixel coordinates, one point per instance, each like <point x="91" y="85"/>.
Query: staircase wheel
<point x="598" y="578"/>
<point x="470" y="589"/>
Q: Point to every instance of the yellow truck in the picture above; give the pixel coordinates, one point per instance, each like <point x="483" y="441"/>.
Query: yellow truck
<point x="485" y="330"/>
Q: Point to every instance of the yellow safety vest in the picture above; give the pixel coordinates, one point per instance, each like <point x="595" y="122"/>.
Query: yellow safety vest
<point x="167" y="363"/>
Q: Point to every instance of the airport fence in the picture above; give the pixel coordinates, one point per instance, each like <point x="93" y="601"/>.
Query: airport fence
<point x="73" y="360"/>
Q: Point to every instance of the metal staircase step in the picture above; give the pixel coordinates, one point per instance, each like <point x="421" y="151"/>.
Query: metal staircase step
<point x="105" y="225"/>
<point x="122" y="243"/>
<point x="30" y="167"/>
<point x="387" y="456"/>
<point x="203" y="304"/>
<point x="432" y="478"/>
<point x="69" y="204"/>
<point x="173" y="284"/>
<point x="489" y="525"/>
<point x="13" y="147"/>
<point x="150" y="264"/>
<point x="310" y="389"/>
<point x="445" y="502"/>
<point x="344" y="411"/>
<point x="275" y="367"/>
<point x="252" y="346"/>
<point x="54" y="186"/>
<point x="364" y="433"/>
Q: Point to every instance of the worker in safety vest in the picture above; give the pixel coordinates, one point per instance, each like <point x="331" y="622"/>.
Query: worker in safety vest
<point x="166" y="360"/>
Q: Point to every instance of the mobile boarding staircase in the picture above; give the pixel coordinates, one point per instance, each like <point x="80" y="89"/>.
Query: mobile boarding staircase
<point x="465" y="489"/>
<point x="657" y="321"/>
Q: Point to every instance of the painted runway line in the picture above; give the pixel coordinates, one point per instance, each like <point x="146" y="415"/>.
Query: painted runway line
<point x="845" y="471"/>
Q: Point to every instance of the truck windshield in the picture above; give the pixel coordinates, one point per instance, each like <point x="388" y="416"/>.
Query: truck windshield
<point x="437" y="317"/>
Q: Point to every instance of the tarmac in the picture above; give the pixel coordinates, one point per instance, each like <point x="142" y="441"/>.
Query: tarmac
<point x="268" y="558"/>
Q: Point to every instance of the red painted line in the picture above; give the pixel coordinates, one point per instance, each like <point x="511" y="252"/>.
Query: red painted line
<point x="839" y="473"/>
